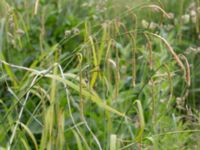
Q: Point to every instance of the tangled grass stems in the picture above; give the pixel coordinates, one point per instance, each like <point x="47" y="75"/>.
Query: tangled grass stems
<point x="20" y="115"/>
<point x="98" y="101"/>
<point x="102" y="60"/>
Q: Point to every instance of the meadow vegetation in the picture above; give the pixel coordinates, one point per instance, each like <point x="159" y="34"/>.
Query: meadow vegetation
<point x="99" y="74"/>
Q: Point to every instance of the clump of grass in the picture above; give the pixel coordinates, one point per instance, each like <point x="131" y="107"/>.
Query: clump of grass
<point x="99" y="75"/>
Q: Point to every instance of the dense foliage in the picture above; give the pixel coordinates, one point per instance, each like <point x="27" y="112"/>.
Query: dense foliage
<point x="99" y="74"/>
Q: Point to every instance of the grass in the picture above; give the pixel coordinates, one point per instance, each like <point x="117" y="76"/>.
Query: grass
<point x="107" y="74"/>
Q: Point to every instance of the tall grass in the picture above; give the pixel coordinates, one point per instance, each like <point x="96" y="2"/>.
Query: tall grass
<point x="99" y="74"/>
